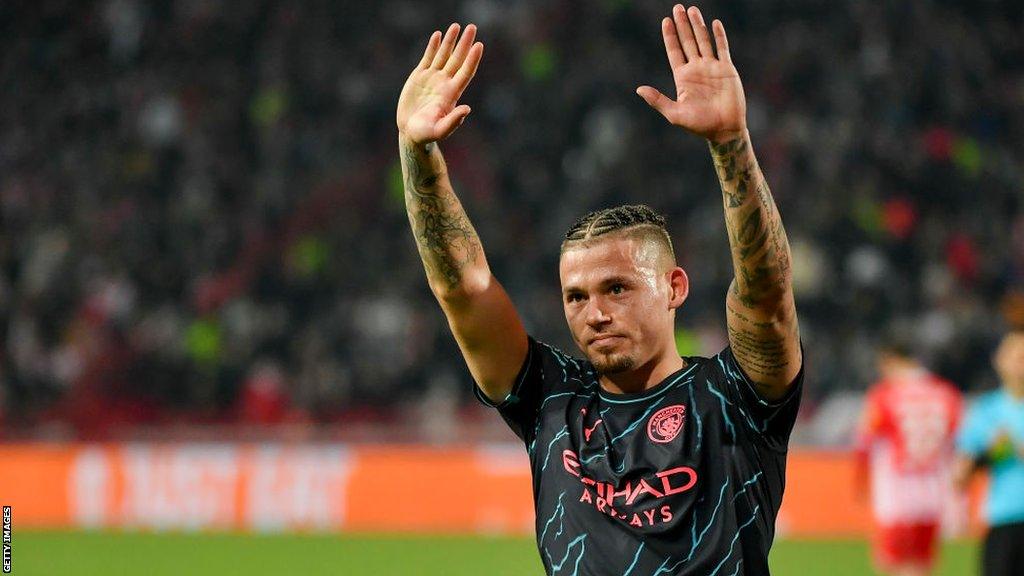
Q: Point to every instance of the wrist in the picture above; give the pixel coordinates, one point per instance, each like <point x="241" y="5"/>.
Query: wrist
<point x="727" y="136"/>
<point x="407" y="142"/>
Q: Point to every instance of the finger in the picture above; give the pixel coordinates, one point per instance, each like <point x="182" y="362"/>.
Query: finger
<point x="656" y="100"/>
<point x="453" y="120"/>
<point x="676" y="58"/>
<point x="721" y="41"/>
<point x="468" y="68"/>
<point x="685" y="32"/>
<point x="428" y="55"/>
<point x="700" y="30"/>
<point x="461" y="49"/>
<point x="446" y="46"/>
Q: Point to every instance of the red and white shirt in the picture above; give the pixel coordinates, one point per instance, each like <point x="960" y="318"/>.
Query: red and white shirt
<point x="907" y="436"/>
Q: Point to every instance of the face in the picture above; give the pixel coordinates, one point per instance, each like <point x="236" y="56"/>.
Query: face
<point x="885" y="365"/>
<point x="620" y="296"/>
<point x="892" y="365"/>
<point x="1009" y="361"/>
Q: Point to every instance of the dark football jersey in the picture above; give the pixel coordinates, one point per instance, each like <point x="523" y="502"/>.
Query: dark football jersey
<point x="683" y="478"/>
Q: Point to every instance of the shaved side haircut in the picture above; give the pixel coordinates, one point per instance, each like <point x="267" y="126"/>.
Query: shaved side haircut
<point x="630" y="220"/>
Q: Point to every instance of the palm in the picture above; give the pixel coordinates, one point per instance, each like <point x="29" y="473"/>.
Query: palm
<point x="709" y="96"/>
<point x="427" y="97"/>
<point x="428" y="108"/>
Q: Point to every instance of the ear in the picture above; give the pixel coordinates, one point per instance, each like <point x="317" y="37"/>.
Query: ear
<point x="680" y="287"/>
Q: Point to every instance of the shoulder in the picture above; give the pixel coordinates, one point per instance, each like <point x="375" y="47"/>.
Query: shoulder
<point x="878" y="397"/>
<point x="989" y="399"/>
<point x="724" y="367"/>
<point x="953" y="396"/>
<point x="558" y="355"/>
<point x="554" y="352"/>
<point x="986" y="404"/>
<point x="722" y="361"/>
<point x="879" y="389"/>
<point x="723" y="364"/>
<point x="946" y="386"/>
<point x="552" y="360"/>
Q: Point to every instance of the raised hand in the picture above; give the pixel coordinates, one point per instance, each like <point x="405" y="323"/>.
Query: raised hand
<point x="709" y="96"/>
<point x="428" y="109"/>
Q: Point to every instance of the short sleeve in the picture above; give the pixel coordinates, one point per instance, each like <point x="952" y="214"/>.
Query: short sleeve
<point x="546" y="371"/>
<point x="772" y="420"/>
<point x="972" y="438"/>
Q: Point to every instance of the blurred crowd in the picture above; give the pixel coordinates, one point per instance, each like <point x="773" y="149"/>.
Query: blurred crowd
<point x="201" y="214"/>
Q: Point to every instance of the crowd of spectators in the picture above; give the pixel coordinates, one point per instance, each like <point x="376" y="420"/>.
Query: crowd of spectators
<point x="201" y="215"/>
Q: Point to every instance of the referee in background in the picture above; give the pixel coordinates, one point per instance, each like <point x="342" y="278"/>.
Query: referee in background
<point x="992" y="437"/>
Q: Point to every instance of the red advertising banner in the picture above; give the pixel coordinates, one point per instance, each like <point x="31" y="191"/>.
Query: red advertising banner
<point x="285" y="487"/>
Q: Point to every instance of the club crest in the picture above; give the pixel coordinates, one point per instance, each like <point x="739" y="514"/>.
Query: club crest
<point x="666" y="423"/>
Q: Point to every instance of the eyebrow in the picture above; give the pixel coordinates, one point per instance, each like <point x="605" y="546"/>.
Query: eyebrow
<point x="617" y="279"/>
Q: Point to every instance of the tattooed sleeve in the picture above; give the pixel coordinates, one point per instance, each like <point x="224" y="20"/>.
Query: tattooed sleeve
<point x="445" y="238"/>
<point x="761" y="313"/>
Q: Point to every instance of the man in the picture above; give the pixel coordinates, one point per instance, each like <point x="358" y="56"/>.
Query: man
<point x="906" y="439"/>
<point x="643" y="462"/>
<point x="992" y="437"/>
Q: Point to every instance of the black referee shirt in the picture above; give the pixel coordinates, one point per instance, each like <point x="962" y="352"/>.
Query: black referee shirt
<point x="683" y="478"/>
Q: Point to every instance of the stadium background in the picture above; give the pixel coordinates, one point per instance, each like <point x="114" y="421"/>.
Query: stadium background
<point x="208" y="288"/>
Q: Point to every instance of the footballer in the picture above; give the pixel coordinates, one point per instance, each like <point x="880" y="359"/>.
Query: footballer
<point x="643" y="462"/>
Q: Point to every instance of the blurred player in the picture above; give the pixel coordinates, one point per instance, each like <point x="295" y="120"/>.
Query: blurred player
<point x="992" y="438"/>
<point x="905" y="442"/>
<point x="643" y="462"/>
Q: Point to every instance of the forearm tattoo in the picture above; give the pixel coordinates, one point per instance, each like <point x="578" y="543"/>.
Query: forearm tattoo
<point x="731" y="166"/>
<point x="446" y="240"/>
<point x="761" y="260"/>
<point x="759" y="246"/>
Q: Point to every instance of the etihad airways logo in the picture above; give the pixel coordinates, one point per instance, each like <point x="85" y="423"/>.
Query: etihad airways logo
<point x="656" y="487"/>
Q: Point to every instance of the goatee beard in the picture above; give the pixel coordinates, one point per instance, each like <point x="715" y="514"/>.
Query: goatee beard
<point x="614" y="364"/>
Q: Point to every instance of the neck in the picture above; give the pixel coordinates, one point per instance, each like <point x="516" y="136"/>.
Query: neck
<point x="644" y="377"/>
<point x="902" y="371"/>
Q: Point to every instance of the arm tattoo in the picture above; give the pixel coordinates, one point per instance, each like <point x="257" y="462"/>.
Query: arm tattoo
<point x="446" y="240"/>
<point x="763" y="351"/>
<point x="759" y="245"/>
<point x="762" y="324"/>
<point x="726" y="157"/>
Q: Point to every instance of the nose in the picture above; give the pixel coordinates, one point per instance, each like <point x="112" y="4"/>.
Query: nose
<point x="596" y="315"/>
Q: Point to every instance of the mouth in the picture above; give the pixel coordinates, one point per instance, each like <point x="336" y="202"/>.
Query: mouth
<point x="604" y="339"/>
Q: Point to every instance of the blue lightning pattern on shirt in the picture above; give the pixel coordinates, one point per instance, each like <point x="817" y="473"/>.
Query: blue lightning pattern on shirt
<point x="554" y="408"/>
<point x="561" y="434"/>
<point x="725" y="413"/>
<point x="695" y="414"/>
<point x="739" y="378"/>
<point x="697" y="539"/>
<point x="560" y="512"/>
<point x="732" y="546"/>
<point x="581" y="540"/>
<point x="636" y="557"/>
<point x="745" y="485"/>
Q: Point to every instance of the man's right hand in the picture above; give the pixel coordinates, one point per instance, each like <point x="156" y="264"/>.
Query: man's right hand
<point x="481" y="315"/>
<point x="428" y="109"/>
